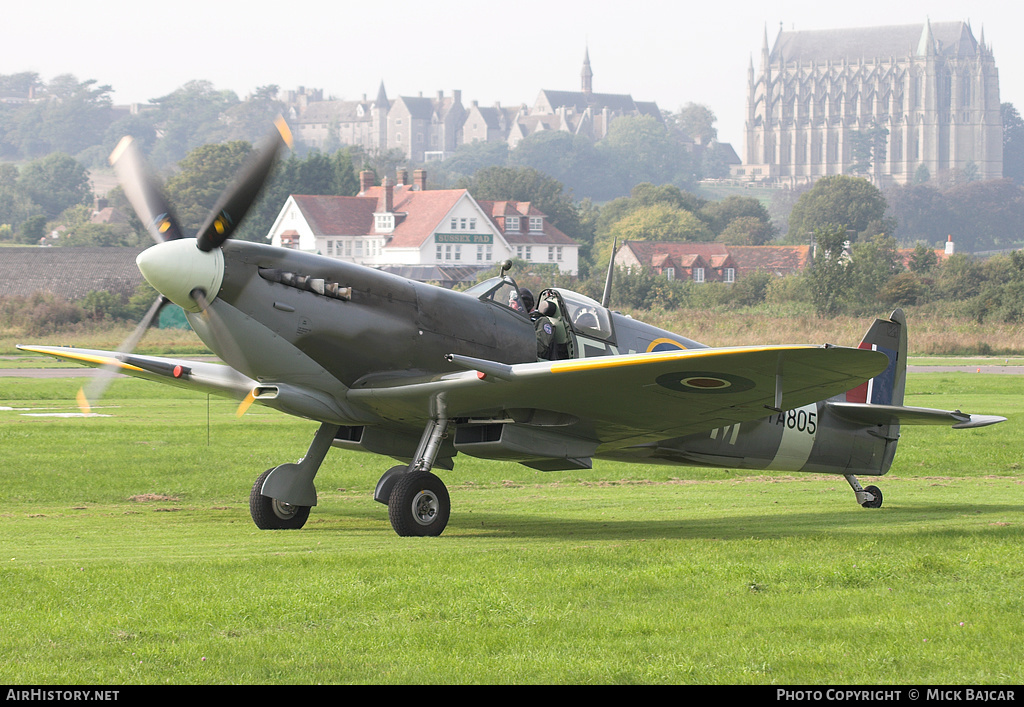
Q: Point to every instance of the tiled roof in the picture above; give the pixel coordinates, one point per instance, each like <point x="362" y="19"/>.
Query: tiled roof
<point x="498" y="210"/>
<point x="778" y="260"/>
<point x="417" y="213"/>
<point x="337" y="215"/>
<point x="775" y="259"/>
<point x="951" y="38"/>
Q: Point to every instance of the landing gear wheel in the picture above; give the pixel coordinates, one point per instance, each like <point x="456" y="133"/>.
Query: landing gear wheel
<point x="270" y="514"/>
<point x="877" y="502"/>
<point x="419" y="505"/>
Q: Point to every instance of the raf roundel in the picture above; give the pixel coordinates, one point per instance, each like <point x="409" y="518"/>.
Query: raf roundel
<point x="704" y="382"/>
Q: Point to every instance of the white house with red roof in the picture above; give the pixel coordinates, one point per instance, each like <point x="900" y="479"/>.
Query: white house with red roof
<point x="405" y="225"/>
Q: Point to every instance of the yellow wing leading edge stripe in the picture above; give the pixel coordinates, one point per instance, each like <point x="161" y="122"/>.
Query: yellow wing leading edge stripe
<point x="85" y="358"/>
<point x="590" y="364"/>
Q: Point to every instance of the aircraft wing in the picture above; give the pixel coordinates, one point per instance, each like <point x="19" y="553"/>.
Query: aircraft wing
<point x="202" y="376"/>
<point x="625" y="399"/>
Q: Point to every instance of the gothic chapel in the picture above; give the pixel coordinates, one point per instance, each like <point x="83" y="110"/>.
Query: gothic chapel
<point x="882" y="102"/>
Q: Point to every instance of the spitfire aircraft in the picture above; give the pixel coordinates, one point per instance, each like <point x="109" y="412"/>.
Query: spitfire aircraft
<point x="422" y="374"/>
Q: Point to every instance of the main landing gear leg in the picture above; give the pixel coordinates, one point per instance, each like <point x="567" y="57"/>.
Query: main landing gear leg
<point x="282" y="496"/>
<point x="418" y="502"/>
<point x="870" y="497"/>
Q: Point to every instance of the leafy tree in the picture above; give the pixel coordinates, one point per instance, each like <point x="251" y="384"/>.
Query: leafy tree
<point x="1013" y="144"/>
<point x="644" y="150"/>
<point x="829" y="276"/>
<point x="696" y="121"/>
<point x="54" y="183"/>
<point x="986" y="215"/>
<point x="528" y="184"/>
<point x="719" y="214"/>
<point x="204" y="173"/>
<point x="31" y="230"/>
<point x="747" y="230"/>
<point x="188" y="118"/>
<point x="467" y="160"/>
<point x="903" y="289"/>
<point x="875" y="262"/>
<point x="836" y="201"/>
<point x="922" y="260"/>
<point x="571" y="159"/>
<point x="868" y="148"/>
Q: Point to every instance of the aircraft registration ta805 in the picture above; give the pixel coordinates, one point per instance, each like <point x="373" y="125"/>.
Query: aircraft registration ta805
<point x="422" y="374"/>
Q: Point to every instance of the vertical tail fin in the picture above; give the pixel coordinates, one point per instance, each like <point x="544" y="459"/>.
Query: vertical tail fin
<point x="887" y="388"/>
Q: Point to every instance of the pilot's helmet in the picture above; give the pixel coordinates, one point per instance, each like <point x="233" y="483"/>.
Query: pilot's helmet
<point x="527" y="298"/>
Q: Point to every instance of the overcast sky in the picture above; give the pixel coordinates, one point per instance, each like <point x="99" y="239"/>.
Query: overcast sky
<point x="672" y="52"/>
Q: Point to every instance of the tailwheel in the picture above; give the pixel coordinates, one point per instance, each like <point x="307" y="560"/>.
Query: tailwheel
<point x="419" y="505"/>
<point x="271" y="514"/>
<point x="875" y="502"/>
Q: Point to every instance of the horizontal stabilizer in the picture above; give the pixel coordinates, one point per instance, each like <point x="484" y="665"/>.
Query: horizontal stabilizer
<point x="868" y="414"/>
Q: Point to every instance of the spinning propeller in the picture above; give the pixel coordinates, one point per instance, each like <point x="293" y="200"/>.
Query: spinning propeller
<point x="185" y="271"/>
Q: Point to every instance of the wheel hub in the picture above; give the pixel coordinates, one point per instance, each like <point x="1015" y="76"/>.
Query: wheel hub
<point x="283" y="510"/>
<point x="425" y="507"/>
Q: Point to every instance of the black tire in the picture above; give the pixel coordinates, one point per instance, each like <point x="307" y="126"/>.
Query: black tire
<point x="270" y="514"/>
<point x="419" y="505"/>
<point x="877" y="493"/>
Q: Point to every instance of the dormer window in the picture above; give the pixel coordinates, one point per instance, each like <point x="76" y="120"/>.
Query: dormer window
<point x="384" y="223"/>
<point x="511" y="223"/>
<point x="536" y="223"/>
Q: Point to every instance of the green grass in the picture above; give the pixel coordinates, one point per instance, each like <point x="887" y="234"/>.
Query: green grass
<point x="624" y="574"/>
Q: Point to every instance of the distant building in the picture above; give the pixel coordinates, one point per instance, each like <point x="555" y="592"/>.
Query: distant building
<point x="406" y="228"/>
<point x="711" y="262"/>
<point x="429" y="129"/>
<point x="927" y="93"/>
<point x="582" y="112"/>
<point x="425" y="129"/>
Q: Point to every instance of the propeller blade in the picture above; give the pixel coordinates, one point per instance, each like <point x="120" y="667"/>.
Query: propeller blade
<point x="230" y="209"/>
<point x="93" y="391"/>
<point x="143" y="193"/>
<point x="246" y="403"/>
<point x="228" y="350"/>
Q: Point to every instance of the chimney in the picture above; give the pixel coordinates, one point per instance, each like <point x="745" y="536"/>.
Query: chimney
<point x="402" y="176"/>
<point x="365" y="181"/>
<point x="419" y="178"/>
<point x="387" y="203"/>
<point x="949" y="245"/>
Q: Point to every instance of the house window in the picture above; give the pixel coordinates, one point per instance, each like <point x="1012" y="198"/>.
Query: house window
<point x="512" y="223"/>
<point x="348" y="248"/>
<point x="330" y="247"/>
<point x="670" y="273"/>
<point x="455" y="223"/>
<point x="359" y="249"/>
<point x="558" y="254"/>
<point x="698" y="274"/>
<point x="730" y="274"/>
<point x="439" y="253"/>
<point x="463" y="224"/>
<point x="536" y="223"/>
<point x="472" y="224"/>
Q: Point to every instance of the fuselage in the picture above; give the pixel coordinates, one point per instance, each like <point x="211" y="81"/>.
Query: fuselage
<point x="314" y="328"/>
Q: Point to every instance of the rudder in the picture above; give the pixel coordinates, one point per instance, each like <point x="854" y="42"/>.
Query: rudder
<point x="887" y="388"/>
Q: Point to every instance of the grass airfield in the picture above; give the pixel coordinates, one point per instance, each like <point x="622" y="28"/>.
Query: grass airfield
<point x="127" y="556"/>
